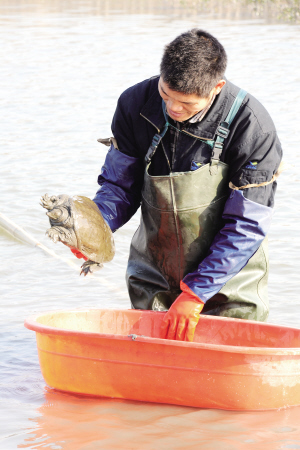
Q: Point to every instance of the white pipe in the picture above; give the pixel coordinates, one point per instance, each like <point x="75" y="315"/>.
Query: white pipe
<point x="18" y="232"/>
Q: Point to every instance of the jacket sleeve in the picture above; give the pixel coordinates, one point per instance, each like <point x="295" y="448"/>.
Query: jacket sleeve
<point x="120" y="193"/>
<point x="122" y="174"/>
<point x="246" y="224"/>
<point x="246" y="217"/>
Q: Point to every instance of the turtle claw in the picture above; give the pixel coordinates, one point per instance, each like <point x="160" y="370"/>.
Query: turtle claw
<point x="53" y="235"/>
<point x="90" y="267"/>
<point x="85" y="271"/>
<point x="48" y="202"/>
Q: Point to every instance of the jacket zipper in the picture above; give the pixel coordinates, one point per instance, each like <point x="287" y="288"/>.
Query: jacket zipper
<point x="150" y="122"/>
<point x="197" y="137"/>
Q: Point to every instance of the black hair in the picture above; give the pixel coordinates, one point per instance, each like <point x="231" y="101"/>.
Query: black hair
<point x="193" y="63"/>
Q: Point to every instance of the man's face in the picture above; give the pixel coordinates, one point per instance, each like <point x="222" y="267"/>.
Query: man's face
<point x="180" y="106"/>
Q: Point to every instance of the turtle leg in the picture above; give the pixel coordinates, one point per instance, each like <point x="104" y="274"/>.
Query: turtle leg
<point x="61" y="234"/>
<point x="90" y="267"/>
<point x="55" y="233"/>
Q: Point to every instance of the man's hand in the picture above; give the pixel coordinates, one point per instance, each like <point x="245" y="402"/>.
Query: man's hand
<point x="181" y="320"/>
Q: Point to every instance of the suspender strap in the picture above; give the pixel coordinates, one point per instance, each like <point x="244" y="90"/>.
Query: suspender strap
<point x="223" y="128"/>
<point x="155" y="143"/>
<point x="236" y="106"/>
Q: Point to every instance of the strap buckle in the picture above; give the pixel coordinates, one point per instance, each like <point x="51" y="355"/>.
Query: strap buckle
<point x="152" y="149"/>
<point x="155" y="141"/>
<point x="217" y="150"/>
<point x="223" y="130"/>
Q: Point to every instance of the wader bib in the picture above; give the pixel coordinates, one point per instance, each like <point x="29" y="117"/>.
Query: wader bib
<point x="180" y="216"/>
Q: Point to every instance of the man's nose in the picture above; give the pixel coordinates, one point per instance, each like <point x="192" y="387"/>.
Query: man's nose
<point x="174" y="106"/>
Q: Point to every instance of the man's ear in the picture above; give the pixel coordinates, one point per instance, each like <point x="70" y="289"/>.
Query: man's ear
<point x="218" y="87"/>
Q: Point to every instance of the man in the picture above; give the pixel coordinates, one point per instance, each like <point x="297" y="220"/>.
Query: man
<point x="180" y="140"/>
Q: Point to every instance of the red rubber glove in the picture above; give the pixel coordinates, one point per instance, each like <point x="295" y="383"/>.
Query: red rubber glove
<point x="181" y="320"/>
<point x="78" y="254"/>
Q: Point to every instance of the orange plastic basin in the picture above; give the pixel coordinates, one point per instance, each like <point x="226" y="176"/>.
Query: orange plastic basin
<point x="232" y="364"/>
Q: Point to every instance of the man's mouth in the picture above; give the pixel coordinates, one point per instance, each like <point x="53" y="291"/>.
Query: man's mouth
<point x="175" y="114"/>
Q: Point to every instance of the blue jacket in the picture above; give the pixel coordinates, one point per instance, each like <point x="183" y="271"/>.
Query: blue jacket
<point x="252" y="151"/>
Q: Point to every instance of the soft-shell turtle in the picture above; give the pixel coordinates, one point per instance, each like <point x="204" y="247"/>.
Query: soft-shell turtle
<point x="78" y="223"/>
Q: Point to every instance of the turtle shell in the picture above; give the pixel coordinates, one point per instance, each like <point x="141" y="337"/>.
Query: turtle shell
<point x="94" y="236"/>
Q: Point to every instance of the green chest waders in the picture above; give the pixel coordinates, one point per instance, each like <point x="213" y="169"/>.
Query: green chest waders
<point x="180" y="216"/>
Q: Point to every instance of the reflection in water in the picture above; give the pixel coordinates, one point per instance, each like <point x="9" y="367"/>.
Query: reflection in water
<point x="272" y="10"/>
<point x="72" y="422"/>
<point x="286" y="10"/>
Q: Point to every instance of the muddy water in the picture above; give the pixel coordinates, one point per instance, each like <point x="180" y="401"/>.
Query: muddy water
<point x="63" y="66"/>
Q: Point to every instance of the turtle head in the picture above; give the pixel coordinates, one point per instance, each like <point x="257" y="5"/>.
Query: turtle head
<point x="54" y="201"/>
<point x="58" y="215"/>
<point x="58" y="207"/>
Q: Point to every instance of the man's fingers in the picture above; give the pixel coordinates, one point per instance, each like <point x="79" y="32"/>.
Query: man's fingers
<point x="172" y="328"/>
<point x="164" y="328"/>
<point x="181" y="329"/>
<point x="181" y="320"/>
<point x="190" y="331"/>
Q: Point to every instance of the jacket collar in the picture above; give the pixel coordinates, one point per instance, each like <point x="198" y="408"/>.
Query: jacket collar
<point x="152" y="111"/>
